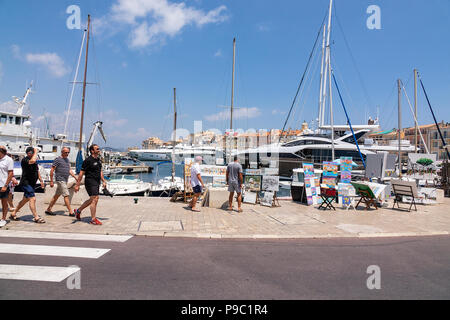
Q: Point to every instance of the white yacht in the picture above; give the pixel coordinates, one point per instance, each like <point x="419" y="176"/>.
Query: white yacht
<point x="316" y="149"/>
<point x="17" y="133"/>
<point x="128" y="186"/>
<point x="161" y="154"/>
<point x="209" y="154"/>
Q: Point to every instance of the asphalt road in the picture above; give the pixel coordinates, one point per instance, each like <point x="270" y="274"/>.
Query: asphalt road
<point x="157" y="268"/>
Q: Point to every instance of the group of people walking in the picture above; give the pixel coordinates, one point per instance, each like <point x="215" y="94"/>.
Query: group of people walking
<point x="60" y="172"/>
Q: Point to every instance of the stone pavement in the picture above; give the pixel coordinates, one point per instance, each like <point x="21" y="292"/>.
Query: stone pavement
<point x="162" y="218"/>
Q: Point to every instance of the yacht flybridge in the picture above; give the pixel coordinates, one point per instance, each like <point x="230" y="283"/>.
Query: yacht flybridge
<point x="17" y="133"/>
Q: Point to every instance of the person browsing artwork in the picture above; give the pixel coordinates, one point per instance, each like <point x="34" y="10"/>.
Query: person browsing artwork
<point x="196" y="182"/>
<point x="234" y="177"/>
<point x="92" y="171"/>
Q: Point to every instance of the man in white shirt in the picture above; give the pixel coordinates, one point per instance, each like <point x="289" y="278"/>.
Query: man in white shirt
<point x="196" y="182"/>
<point x="6" y="175"/>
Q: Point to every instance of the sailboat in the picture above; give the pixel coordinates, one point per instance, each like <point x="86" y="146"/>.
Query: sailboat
<point x="331" y="141"/>
<point x="168" y="186"/>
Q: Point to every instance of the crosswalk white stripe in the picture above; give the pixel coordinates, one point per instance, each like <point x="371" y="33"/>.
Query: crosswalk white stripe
<point x="36" y="273"/>
<point x="78" y="252"/>
<point x="63" y="236"/>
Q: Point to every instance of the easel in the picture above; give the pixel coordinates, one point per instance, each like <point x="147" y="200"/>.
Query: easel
<point x="275" y="202"/>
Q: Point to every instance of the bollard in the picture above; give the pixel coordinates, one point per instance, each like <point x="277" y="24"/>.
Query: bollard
<point x="136" y="200"/>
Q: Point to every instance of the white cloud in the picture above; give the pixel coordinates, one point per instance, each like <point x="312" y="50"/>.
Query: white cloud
<point x="263" y="27"/>
<point x="52" y="61"/>
<point x="237" y="114"/>
<point x="276" y="112"/>
<point x="139" y="134"/>
<point x="16" y="51"/>
<point x="152" y="21"/>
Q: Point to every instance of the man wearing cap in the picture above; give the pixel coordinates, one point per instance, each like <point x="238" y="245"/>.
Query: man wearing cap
<point x="6" y="175"/>
<point x="196" y="182"/>
<point x="30" y="174"/>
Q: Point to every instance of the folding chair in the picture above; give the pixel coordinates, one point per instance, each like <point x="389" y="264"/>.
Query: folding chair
<point x="366" y="194"/>
<point x="328" y="195"/>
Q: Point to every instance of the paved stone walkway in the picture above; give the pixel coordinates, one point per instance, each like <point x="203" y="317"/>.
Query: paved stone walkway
<point x="162" y="218"/>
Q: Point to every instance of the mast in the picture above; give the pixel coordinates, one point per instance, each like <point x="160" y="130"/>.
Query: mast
<point x="321" y="77"/>
<point x="327" y="59"/>
<point x="415" y="109"/>
<point x="232" y="83"/>
<point x="73" y="88"/>
<point x="84" y="85"/>
<point x="331" y="111"/>
<point x="174" y="132"/>
<point x="399" y="83"/>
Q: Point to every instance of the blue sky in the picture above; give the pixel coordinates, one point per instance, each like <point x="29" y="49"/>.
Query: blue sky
<point x="142" y="49"/>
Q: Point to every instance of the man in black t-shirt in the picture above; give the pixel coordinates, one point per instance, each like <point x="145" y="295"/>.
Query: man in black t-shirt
<point x="30" y="174"/>
<point x="92" y="170"/>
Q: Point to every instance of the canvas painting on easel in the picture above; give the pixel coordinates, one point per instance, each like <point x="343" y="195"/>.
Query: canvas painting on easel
<point x="250" y="197"/>
<point x="267" y="199"/>
<point x="271" y="183"/>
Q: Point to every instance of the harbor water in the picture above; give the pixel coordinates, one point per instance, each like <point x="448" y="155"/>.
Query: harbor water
<point x="164" y="169"/>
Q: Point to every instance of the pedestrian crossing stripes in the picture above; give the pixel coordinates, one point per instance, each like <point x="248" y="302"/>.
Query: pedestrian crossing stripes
<point x="36" y="273"/>
<point x="63" y="236"/>
<point x="77" y="252"/>
<point x="50" y="273"/>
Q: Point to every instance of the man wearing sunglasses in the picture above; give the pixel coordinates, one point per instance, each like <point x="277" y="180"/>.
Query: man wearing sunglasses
<point x="92" y="169"/>
<point x="6" y="175"/>
<point x="61" y="170"/>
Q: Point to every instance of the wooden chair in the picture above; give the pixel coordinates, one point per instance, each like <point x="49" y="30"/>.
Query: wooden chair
<point x="404" y="188"/>
<point x="366" y="194"/>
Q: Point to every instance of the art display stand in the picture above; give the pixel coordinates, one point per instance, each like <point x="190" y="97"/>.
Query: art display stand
<point x="275" y="202"/>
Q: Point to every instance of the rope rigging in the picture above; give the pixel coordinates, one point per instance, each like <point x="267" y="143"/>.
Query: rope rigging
<point x="303" y="78"/>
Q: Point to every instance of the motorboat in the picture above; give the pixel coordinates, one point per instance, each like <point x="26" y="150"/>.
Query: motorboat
<point x="166" y="187"/>
<point x="127" y="186"/>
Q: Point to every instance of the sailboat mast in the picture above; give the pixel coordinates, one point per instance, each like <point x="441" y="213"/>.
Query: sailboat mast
<point x="321" y="78"/>
<point x="331" y="111"/>
<point x="174" y="137"/>
<point x="84" y="85"/>
<point x="415" y="110"/>
<point x="232" y="84"/>
<point x="327" y="59"/>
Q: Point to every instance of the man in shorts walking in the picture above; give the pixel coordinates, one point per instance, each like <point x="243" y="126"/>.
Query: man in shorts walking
<point x="30" y="174"/>
<point x="234" y="181"/>
<point x="6" y="175"/>
<point x="61" y="170"/>
<point x="92" y="169"/>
